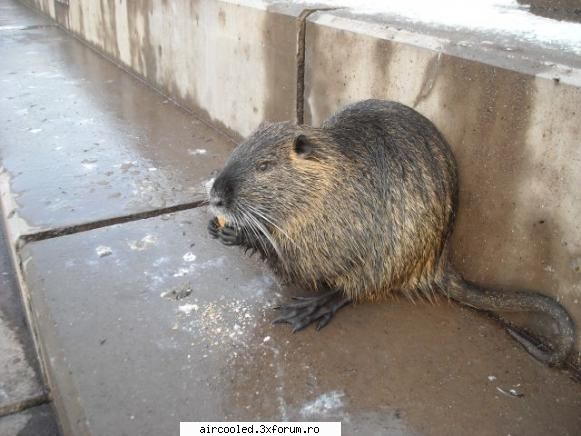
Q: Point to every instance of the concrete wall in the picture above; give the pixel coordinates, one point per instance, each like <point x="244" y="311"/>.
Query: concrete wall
<point x="234" y="63"/>
<point x="516" y="136"/>
<point x="45" y="6"/>
<point x="512" y="120"/>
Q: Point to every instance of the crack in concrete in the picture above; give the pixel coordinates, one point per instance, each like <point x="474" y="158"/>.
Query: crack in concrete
<point x="38" y="26"/>
<point x="84" y="227"/>
<point x="21" y="405"/>
<point x="301" y="46"/>
<point x="430" y="78"/>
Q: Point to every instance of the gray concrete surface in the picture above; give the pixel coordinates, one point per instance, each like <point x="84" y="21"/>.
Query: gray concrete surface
<point x="14" y="16"/>
<point x="123" y="356"/>
<point x="231" y="62"/>
<point x="37" y="421"/>
<point x="20" y="381"/>
<point x="514" y="131"/>
<point x="125" y="359"/>
<point x="99" y="144"/>
<point x="23" y="397"/>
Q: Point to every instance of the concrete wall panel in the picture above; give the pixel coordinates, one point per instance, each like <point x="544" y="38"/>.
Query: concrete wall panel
<point x="234" y="63"/>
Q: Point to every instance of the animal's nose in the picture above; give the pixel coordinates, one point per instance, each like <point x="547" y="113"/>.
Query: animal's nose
<point x="222" y="193"/>
<point x="216" y="202"/>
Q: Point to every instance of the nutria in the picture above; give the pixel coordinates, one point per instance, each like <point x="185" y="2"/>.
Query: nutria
<point x="362" y="207"/>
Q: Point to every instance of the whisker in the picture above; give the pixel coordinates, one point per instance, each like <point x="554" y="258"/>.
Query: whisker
<point x="266" y="234"/>
<point x="262" y="215"/>
<point x="252" y="227"/>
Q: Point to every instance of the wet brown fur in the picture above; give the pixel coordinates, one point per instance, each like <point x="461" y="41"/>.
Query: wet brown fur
<point x="367" y="209"/>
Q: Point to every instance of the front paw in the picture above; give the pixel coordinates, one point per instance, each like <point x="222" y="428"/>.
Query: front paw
<point x="227" y="235"/>
<point x="213" y="228"/>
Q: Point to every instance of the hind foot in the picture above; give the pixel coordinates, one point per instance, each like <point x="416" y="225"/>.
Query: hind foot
<point x="307" y="310"/>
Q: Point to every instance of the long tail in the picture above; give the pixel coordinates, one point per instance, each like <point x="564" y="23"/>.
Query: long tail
<point x="458" y="289"/>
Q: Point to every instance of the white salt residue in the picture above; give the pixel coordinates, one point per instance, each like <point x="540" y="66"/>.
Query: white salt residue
<point x="223" y="323"/>
<point x="184" y="271"/>
<point x="197" y="151"/>
<point x="145" y="242"/>
<point x="505" y="17"/>
<point x="89" y="166"/>
<point x="103" y="250"/>
<point x="213" y="263"/>
<point x="260" y="285"/>
<point x="35" y="131"/>
<point x="188" y="308"/>
<point x="190" y="269"/>
<point x="161" y="260"/>
<point x="155" y="280"/>
<point x="328" y="403"/>
<point x="189" y="257"/>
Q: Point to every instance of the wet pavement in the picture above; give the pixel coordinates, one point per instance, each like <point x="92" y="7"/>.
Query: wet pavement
<point x="20" y="380"/>
<point x="23" y="396"/>
<point x="82" y="141"/>
<point x="36" y="421"/>
<point x="130" y="358"/>
<point x="148" y="323"/>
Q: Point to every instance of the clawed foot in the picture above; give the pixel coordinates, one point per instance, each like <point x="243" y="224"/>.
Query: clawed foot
<point x="307" y="310"/>
<point x="227" y="235"/>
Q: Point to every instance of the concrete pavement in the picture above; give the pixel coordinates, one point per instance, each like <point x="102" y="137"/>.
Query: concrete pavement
<point x="96" y="145"/>
<point x="24" y="408"/>
<point x="142" y="321"/>
<point x="36" y="421"/>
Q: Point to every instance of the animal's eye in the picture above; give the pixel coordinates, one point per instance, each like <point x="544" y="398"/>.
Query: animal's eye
<point x="263" y="166"/>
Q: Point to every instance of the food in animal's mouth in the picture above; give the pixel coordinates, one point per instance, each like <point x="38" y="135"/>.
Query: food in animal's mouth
<point x="221" y="220"/>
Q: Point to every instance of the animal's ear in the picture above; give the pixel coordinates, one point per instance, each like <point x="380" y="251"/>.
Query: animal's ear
<point x="303" y="147"/>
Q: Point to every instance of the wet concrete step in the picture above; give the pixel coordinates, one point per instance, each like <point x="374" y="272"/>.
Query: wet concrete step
<point x="81" y="140"/>
<point x="20" y="380"/>
<point x="13" y="17"/>
<point x="37" y="421"/>
<point x="125" y="357"/>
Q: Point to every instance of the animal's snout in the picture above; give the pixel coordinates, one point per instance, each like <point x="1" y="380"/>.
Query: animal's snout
<point x="222" y="192"/>
<point x="216" y="202"/>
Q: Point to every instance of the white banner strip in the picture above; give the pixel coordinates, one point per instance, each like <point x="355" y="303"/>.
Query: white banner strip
<point x="267" y="428"/>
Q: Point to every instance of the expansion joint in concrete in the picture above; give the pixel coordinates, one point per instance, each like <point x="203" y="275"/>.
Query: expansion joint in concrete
<point x="19" y="406"/>
<point x="84" y="227"/>
<point x="301" y="41"/>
